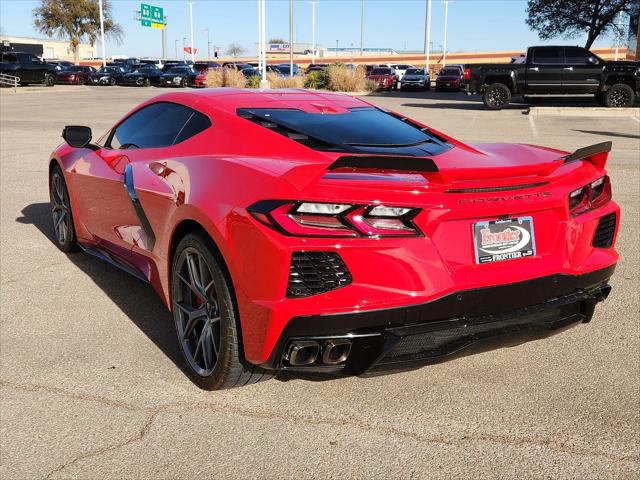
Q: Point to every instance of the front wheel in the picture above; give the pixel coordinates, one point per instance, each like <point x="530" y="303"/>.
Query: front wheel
<point x="496" y="96"/>
<point x="619" y="95"/>
<point x="183" y="83"/>
<point x="61" y="212"/>
<point x="205" y="318"/>
<point x="49" y="80"/>
<point x="112" y="81"/>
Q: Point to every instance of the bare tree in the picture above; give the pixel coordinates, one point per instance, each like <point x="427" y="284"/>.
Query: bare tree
<point x="573" y="18"/>
<point x="235" y="50"/>
<point x="75" y="20"/>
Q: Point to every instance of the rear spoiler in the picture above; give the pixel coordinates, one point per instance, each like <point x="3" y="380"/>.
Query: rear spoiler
<point x="596" y="154"/>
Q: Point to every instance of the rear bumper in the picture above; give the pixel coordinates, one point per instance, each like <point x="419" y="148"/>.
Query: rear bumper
<point x="455" y="325"/>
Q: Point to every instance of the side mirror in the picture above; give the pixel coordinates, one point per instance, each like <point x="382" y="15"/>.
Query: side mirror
<point x="592" y="61"/>
<point x="77" y="136"/>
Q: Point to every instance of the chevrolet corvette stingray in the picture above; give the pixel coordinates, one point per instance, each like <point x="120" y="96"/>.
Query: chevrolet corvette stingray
<point x="298" y="230"/>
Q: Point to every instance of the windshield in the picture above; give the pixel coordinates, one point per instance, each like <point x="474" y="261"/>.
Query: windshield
<point x="109" y="70"/>
<point x="180" y="70"/>
<point x="381" y="71"/>
<point x="414" y="71"/>
<point x="450" y="71"/>
<point x="362" y="129"/>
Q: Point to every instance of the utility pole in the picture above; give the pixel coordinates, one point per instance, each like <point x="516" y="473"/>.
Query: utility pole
<point x="104" y="59"/>
<point x="193" y="55"/>
<point x="618" y="34"/>
<point x="164" y="38"/>
<point x="291" y="38"/>
<point x="361" y="27"/>
<point x="446" y="17"/>
<point x="260" y="66"/>
<point x="208" y="45"/>
<point x="313" y="32"/>
<point x="184" y="44"/>
<point x="176" y="48"/>
<point x="427" y="34"/>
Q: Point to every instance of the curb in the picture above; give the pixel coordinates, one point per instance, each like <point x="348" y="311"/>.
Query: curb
<point x="583" y="112"/>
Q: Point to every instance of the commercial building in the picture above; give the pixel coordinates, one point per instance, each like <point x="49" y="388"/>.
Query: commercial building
<point x="46" y="47"/>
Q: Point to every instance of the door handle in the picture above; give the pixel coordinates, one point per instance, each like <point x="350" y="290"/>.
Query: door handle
<point x="568" y="68"/>
<point x="535" y="69"/>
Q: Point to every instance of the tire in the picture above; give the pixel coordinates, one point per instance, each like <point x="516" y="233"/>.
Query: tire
<point x="147" y="82"/>
<point x="496" y="96"/>
<point x="112" y="81"/>
<point x="427" y="86"/>
<point x="62" y="216"/>
<point x="183" y="83"/>
<point x="211" y="346"/>
<point x="49" y="80"/>
<point x="619" y="95"/>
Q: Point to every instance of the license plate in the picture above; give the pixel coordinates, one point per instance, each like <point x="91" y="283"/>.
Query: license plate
<point x="499" y="240"/>
<point x="447" y="84"/>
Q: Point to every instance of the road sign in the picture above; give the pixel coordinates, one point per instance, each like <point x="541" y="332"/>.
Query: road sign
<point x="151" y="16"/>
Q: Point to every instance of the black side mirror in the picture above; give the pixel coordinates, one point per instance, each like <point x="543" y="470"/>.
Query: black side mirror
<point x="77" y="136"/>
<point x="592" y="61"/>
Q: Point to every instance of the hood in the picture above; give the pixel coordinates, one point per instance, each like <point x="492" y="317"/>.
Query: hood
<point x="414" y="77"/>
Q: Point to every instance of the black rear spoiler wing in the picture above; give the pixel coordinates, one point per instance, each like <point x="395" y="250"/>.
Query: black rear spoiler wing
<point x="596" y="154"/>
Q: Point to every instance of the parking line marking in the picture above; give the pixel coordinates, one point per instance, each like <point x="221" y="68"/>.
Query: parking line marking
<point x="532" y="124"/>
<point x="637" y="119"/>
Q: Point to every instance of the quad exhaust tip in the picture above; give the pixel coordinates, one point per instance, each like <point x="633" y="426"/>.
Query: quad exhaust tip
<point x="306" y="352"/>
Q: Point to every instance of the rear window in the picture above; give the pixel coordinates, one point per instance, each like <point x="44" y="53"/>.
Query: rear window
<point x="548" y="55"/>
<point x="450" y="71"/>
<point x="362" y="129"/>
<point x="414" y="71"/>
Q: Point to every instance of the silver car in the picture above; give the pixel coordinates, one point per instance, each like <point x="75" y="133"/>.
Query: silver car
<point x="415" y="78"/>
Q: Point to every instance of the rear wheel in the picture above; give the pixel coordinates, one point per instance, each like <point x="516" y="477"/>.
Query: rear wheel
<point x="619" y="95"/>
<point x="183" y="83"/>
<point x="205" y="318"/>
<point x="61" y="212"/>
<point x="147" y="82"/>
<point x="112" y="81"/>
<point x="496" y="96"/>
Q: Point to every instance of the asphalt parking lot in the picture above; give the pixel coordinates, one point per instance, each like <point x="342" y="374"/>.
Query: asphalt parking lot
<point x="91" y="380"/>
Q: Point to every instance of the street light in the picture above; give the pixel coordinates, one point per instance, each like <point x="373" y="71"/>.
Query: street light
<point x="361" y="27"/>
<point x="104" y="60"/>
<point x="208" y="44"/>
<point x="444" y="48"/>
<point x="427" y="34"/>
<point x="291" y="38"/>
<point x="191" y="28"/>
<point x="184" y="51"/>
<point x="313" y="32"/>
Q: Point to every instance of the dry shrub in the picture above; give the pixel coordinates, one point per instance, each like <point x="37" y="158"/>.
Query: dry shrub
<point x="276" y="81"/>
<point x="225" y="77"/>
<point x="343" y="79"/>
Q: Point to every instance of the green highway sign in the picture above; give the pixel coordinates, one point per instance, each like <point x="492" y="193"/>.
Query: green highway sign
<point x="151" y="16"/>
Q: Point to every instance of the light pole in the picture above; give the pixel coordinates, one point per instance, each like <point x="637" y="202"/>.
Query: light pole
<point x="193" y="57"/>
<point x="264" y="83"/>
<point x="361" y="27"/>
<point x="291" y="38"/>
<point x="260" y="66"/>
<point x="208" y="44"/>
<point x="337" y="48"/>
<point x="104" y="59"/>
<point x="184" y="51"/>
<point x="313" y="32"/>
<point x="618" y="35"/>
<point x="164" y="37"/>
<point x="446" y="17"/>
<point x="176" y="45"/>
<point x="427" y="34"/>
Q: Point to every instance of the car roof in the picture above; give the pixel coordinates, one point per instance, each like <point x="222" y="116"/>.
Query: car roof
<point x="230" y="99"/>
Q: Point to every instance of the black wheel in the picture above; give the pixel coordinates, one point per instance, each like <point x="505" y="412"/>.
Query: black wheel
<point x="427" y="86"/>
<point x="496" y="96"/>
<point x="49" y="80"/>
<point x="619" y="95"/>
<point x="147" y="82"/>
<point x="112" y="81"/>
<point x="183" y="83"/>
<point x="61" y="212"/>
<point x="205" y="318"/>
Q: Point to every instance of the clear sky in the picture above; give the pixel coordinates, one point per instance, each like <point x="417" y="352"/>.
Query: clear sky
<point x="474" y="25"/>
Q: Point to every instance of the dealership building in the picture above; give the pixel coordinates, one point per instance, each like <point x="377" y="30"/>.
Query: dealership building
<point x="46" y="48"/>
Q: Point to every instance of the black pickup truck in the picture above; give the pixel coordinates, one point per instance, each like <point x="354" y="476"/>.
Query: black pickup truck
<point x="555" y="70"/>
<point x="28" y="68"/>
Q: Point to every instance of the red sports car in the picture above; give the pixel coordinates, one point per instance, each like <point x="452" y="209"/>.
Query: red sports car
<point x="314" y="231"/>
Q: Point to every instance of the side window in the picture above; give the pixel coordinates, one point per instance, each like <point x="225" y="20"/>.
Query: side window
<point x="158" y="125"/>
<point x="9" y="57"/>
<point x="576" y="55"/>
<point x="548" y="55"/>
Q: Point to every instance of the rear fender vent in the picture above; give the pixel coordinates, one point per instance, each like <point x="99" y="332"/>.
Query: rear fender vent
<point x="603" y="238"/>
<point x="312" y="273"/>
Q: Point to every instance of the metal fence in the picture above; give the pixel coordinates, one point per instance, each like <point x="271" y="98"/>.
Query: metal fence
<point x="9" y="81"/>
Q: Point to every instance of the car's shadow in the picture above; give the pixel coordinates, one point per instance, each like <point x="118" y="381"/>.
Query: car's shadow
<point x="136" y="299"/>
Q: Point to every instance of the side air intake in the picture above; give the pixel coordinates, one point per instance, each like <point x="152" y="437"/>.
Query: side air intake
<point x="312" y="273"/>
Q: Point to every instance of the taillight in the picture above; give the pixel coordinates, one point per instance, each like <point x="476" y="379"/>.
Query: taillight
<point x="592" y="195"/>
<point x="467" y="73"/>
<point x="319" y="219"/>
